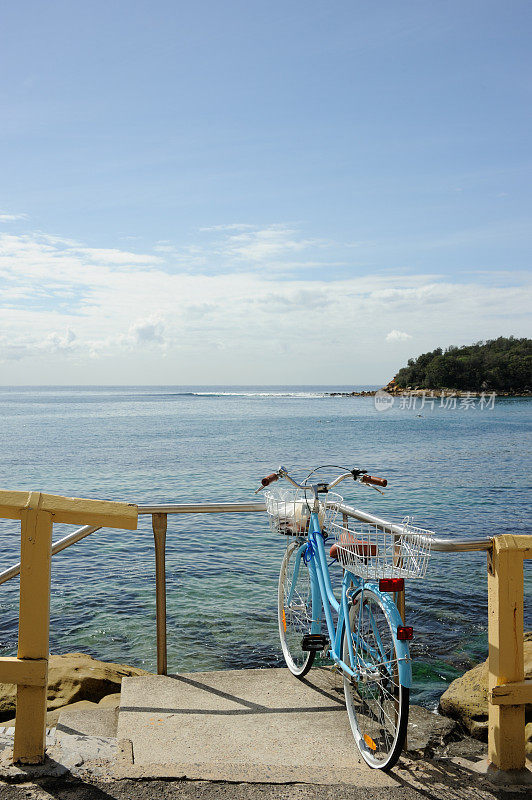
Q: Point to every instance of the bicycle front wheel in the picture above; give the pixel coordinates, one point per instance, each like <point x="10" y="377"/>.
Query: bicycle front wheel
<point x="377" y="703"/>
<point x="294" y="610"/>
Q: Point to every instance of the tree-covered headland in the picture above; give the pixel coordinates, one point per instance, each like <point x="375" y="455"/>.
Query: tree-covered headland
<point x="502" y="365"/>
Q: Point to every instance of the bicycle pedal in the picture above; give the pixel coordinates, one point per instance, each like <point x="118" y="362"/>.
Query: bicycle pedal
<point x="313" y="642"/>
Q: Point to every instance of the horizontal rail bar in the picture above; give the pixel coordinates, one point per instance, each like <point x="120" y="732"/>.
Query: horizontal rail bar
<point x="204" y="508"/>
<point x="461" y="545"/>
<point x="69" y="510"/>
<point x="510" y="694"/>
<point x="441" y="545"/>
<point x="25" y="671"/>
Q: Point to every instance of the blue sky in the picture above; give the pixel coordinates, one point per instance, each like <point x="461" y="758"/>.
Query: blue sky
<point x="182" y="182"/>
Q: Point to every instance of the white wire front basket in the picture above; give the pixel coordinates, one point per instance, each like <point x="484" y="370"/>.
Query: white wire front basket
<point x="383" y="550"/>
<point x="289" y="510"/>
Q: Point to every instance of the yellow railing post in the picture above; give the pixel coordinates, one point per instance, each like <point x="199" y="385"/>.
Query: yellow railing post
<point x="34" y="627"/>
<point x="506" y="685"/>
<point x="29" y="670"/>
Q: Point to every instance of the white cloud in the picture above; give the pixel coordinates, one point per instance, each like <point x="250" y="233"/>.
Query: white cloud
<point x="199" y="310"/>
<point x="116" y="257"/>
<point x="264" y="244"/>
<point x="220" y="312"/>
<point x="31" y="346"/>
<point x="56" y="342"/>
<point x="397" y="336"/>
<point x="234" y="226"/>
<point x="11" y="217"/>
<point x="147" y="331"/>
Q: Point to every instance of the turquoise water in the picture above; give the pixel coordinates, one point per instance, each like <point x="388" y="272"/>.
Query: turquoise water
<point x="461" y="473"/>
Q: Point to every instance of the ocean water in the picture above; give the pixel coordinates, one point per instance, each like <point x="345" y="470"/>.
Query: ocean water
<point x="461" y="472"/>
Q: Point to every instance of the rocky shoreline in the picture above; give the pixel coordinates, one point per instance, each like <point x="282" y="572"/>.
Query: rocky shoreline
<point x="396" y="391"/>
<point x="409" y="391"/>
<point x="351" y="394"/>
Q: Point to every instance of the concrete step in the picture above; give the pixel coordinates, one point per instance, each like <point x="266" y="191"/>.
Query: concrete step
<point x="240" y="725"/>
<point x="96" y="721"/>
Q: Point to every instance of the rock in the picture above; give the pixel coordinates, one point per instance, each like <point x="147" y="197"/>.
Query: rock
<point x="351" y="394"/>
<point x="52" y="717"/>
<point x="427" y="731"/>
<point x="466" y="699"/>
<point x="73" y="677"/>
<point x="72" y="750"/>
<point x="464" y="747"/>
<point x="110" y="700"/>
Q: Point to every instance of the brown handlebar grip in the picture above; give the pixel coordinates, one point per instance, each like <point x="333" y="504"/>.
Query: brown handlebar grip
<point x="270" y="479"/>
<point x="375" y="481"/>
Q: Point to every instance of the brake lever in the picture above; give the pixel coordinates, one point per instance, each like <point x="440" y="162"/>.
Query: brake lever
<point x="371" y="486"/>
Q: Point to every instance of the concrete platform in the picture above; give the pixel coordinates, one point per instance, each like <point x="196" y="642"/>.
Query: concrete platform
<point x="102" y="722"/>
<point x="240" y="725"/>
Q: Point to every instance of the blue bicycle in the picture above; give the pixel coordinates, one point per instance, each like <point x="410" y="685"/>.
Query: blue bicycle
<point x="362" y="631"/>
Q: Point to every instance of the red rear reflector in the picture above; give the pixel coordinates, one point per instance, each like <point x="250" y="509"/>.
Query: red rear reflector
<point x="405" y="633"/>
<point x="392" y="585"/>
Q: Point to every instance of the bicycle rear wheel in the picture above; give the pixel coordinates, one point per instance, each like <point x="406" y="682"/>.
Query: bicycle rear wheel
<point x="377" y="703"/>
<point x="294" y="610"/>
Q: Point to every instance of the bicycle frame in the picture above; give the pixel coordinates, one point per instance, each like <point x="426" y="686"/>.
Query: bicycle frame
<point x="323" y="598"/>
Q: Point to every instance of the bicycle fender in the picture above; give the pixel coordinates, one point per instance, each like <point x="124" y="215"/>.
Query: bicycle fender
<point x="403" y="650"/>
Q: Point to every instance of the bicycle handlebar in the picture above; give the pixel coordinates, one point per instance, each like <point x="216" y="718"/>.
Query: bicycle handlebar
<point x="273" y="476"/>
<point x="355" y="474"/>
<point x="374" y="480"/>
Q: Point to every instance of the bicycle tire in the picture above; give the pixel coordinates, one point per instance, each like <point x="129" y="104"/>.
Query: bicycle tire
<point x="295" y="618"/>
<point x="377" y="704"/>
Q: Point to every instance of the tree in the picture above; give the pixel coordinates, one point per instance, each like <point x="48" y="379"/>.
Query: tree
<point x="501" y="365"/>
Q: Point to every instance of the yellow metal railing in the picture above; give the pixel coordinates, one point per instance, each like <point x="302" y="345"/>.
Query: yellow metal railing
<point x="509" y="692"/>
<point x="37" y="513"/>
